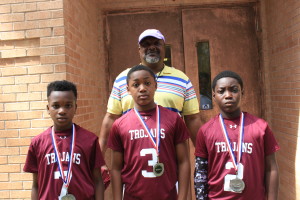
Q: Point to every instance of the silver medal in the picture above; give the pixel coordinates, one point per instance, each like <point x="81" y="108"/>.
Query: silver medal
<point x="158" y="169"/>
<point x="237" y="185"/>
<point x="68" y="197"/>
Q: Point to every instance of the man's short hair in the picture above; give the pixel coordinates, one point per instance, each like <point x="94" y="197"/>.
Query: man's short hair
<point x="138" y="68"/>
<point x="224" y="74"/>
<point x="61" y="86"/>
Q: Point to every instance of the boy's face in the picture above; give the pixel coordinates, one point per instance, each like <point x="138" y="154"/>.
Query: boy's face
<point x="62" y="108"/>
<point x="141" y="86"/>
<point x="227" y="94"/>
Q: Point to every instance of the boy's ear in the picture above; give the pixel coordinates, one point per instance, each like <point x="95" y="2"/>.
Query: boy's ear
<point x="128" y="90"/>
<point x="213" y="94"/>
<point x="243" y="92"/>
<point x="48" y="109"/>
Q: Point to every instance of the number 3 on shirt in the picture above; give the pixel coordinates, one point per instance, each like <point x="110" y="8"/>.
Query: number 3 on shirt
<point x="151" y="163"/>
<point x="229" y="177"/>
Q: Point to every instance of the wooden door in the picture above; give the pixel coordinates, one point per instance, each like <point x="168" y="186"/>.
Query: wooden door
<point x="230" y="33"/>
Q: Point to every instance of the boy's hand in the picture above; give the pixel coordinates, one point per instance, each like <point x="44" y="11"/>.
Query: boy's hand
<point x="105" y="176"/>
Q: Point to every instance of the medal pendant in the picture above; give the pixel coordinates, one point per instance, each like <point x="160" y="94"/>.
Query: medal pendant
<point x="68" y="197"/>
<point x="237" y="185"/>
<point x="158" y="169"/>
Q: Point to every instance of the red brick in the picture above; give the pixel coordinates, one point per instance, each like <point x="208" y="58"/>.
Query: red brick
<point x="50" y="5"/>
<point x="14" y="88"/>
<point x="16" y="106"/>
<point x="9" y="133"/>
<point x="41" y="87"/>
<point x="17" y="142"/>
<point x="17" y="124"/>
<point x="6" y="27"/>
<point x="51" y="59"/>
<point x="10" y="185"/>
<point x="3" y="160"/>
<point x="36" y="96"/>
<point x="25" y="25"/>
<point x="17" y="159"/>
<point x="7" y="151"/>
<point x="31" y="132"/>
<point x="27" y="43"/>
<point x="7" y="80"/>
<point x="12" y="17"/>
<point x="44" y="32"/>
<point x="25" y="7"/>
<point x="20" y="176"/>
<point x="27" y="61"/>
<point x="57" y="31"/>
<point x="37" y="15"/>
<point x="52" y="41"/>
<point x="10" y="1"/>
<point x="39" y="51"/>
<point x="2" y="142"/>
<point x="27" y="79"/>
<point x="4" y="194"/>
<point x="53" y="77"/>
<point x="14" y="35"/>
<point x="42" y="69"/>
<point x="23" y="150"/>
<point x="4" y="9"/>
<point x="8" y="115"/>
<point x="38" y="105"/>
<point x="59" y="50"/>
<point x="14" y="194"/>
<point x="4" y="177"/>
<point x="51" y="23"/>
<point x="41" y="123"/>
<point x="13" y="53"/>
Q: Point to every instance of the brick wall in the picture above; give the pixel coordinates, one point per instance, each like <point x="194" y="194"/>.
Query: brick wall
<point x="31" y="55"/>
<point x="280" y="61"/>
<point x="42" y="41"/>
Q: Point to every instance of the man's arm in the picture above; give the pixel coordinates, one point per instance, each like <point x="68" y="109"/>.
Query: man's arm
<point x="99" y="186"/>
<point x="116" y="180"/>
<point x="183" y="170"/>
<point x="271" y="177"/>
<point x="34" y="190"/>
<point x="193" y="123"/>
<point x="107" y="123"/>
<point x="200" y="180"/>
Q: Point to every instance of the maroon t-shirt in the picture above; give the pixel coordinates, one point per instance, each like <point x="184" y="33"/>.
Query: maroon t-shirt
<point x="258" y="143"/>
<point x="129" y="137"/>
<point x="41" y="159"/>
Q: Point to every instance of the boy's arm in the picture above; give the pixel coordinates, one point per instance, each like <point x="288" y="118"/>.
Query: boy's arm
<point x="116" y="181"/>
<point x="183" y="169"/>
<point x="193" y="123"/>
<point x="34" y="190"/>
<point x="200" y="180"/>
<point x="271" y="177"/>
<point x="99" y="186"/>
<point x="107" y="122"/>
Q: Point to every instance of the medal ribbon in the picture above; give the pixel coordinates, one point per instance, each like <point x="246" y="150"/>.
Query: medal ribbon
<point x="240" y="141"/>
<point x="155" y="140"/>
<point x="66" y="179"/>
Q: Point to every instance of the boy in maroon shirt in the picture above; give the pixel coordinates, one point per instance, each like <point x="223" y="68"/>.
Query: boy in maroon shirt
<point x="149" y="146"/>
<point x="65" y="159"/>
<point x="235" y="151"/>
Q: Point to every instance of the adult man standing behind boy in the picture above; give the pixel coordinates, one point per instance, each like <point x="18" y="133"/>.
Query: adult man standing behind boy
<point x="175" y="91"/>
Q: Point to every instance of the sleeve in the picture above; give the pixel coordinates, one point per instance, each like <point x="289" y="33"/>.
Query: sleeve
<point x="31" y="164"/>
<point x="200" y="148"/>
<point x="97" y="157"/>
<point x="114" y="105"/>
<point x="271" y="144"/>
<point x="200" y="180"/>
<point x="182" y="133"/>
<point x="191" y="103"/>
<point x="114" y="140"/>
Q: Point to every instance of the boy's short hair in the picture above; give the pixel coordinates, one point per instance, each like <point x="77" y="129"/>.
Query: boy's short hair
<point x="224" y="74"/>
<point x="138" y="68"/>
<point x="61" y="86"/>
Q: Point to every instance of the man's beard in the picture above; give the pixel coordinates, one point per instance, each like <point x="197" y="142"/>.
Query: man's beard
<point x="152" y="59"/>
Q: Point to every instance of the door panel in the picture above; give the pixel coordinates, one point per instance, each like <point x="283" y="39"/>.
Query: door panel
<point x="233" y="46"/>
<point x="232" y="40"/>
<point x="124" y="30"/>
